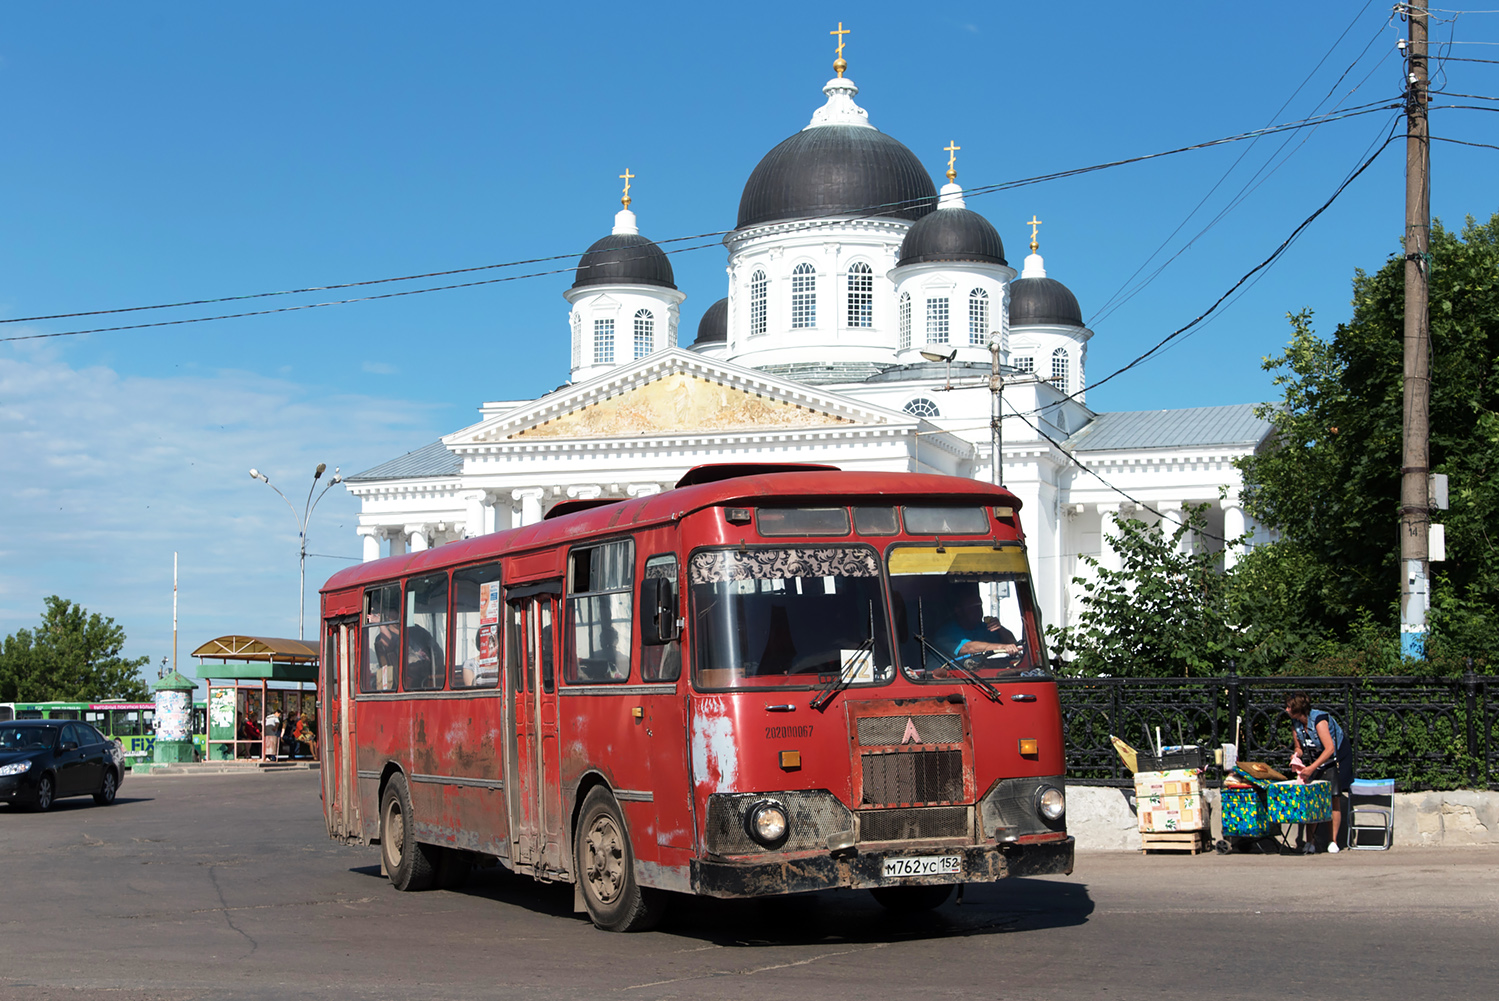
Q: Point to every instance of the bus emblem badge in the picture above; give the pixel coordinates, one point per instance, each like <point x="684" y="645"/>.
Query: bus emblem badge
<point x="910" y="736"/>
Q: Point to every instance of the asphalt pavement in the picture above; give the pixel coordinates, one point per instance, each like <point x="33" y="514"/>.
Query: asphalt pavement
<point x="226" y="886"/>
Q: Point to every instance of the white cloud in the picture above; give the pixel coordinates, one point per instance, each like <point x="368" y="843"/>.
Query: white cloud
<point x="378" y="367"/>
<point x="103" y="477"/>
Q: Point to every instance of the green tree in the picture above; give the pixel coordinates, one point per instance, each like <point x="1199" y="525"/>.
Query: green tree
<point x="1331" y="480"/>
<point x="1164" y="613"/>
<point x="71" y="656"/>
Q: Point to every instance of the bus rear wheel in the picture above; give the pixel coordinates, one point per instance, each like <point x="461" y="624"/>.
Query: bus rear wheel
<point x="911" y="899"/>
<point x="408" y="862"/>
<point x="606" y="868"/>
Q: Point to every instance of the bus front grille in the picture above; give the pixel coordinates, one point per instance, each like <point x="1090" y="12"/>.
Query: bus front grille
<point x="914" y="825"/>
<point x="894" y="778"/>
<point x="890" y="731"/>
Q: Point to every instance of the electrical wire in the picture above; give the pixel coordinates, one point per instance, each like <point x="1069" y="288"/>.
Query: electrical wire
<point x="872" y="211"/>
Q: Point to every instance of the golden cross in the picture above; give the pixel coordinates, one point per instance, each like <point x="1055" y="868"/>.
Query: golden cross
<point x="1033" y="224"/>
<point x="840" y="33"/>
<point x="952" y="156"/>
<point x="626" y="176"/>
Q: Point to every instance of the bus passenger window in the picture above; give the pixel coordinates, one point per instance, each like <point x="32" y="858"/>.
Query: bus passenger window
<point x="599" y="611"/>
<point x="663" y="661"/>
<point x="876" y="521"/>
<point x="476" y="627"/>
<point x="426" y="639"/>
<point x="382" y="639"/>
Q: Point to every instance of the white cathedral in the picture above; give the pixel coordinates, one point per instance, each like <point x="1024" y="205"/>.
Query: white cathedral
<point x="848" y="272"/>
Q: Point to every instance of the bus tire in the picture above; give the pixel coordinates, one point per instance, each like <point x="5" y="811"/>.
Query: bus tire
<point x="107" y="788"/>
<point x="408" y="861"/>
<point x="911" y="899"/>
<point x="606" y="868"/>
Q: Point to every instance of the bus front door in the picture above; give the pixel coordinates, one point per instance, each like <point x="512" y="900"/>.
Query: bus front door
<point x="534" y="779"/>
<point x="340" y="778"/>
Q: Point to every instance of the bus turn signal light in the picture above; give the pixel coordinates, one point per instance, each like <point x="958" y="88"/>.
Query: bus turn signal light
<point x="1029" y="747"/>
<point x="791" y="760"/>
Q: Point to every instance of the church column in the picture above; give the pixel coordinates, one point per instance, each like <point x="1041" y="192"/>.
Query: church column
<point x="419" y="537"/>
<point x="371" y="537"/>
<point x="643" y="489"/>
<point x="587" y="491"/>
<point x="1171" y="520"/>
<point x="1233" y="527"/>
<point x="397" y="539"/>
<point x="530" y="504"/>
<point x="1108" y="555"/>
<point x="478" y="516"/>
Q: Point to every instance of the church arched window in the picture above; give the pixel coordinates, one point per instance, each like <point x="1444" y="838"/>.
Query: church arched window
<point x="645" y="332"/>
<point x="603" y="342"/>
<point x="1059" y="369"/>
<point x="758" y="286"/>
<point x="978" y="316"/>
<point x="803" y="296"/>
<point x="922" y="407"/>
<point x="905" y="321"/>
<point x="860" y="295"/>
<point x="936" y="321"/>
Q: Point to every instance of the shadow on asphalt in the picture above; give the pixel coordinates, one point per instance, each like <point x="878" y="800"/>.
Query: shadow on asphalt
<point x="853" y="916"/>
<point x="81" y="803"/>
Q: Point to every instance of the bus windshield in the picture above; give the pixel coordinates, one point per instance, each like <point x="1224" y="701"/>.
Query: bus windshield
<point x="962" y="610"/>
<point x="788" y="617"/>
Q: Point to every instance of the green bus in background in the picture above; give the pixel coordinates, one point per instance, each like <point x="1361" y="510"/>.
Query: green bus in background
<point x="130" y="724"/>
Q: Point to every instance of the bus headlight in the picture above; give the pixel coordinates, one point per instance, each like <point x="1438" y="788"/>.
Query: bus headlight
<point x="767" y="823"/>
<point x="1050" y="802"/>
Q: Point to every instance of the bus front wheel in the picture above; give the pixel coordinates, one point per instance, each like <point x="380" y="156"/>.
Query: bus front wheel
<point x="407" y="861"/>
<point x="606" y="868"/>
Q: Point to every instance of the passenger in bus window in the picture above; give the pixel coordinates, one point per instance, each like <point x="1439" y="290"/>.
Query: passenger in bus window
<point x="387" y="650"/>
<point x="969" y="632"/>
<point x="421" y="667"/>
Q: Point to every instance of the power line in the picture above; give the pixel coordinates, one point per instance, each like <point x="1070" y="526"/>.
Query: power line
<point x="871" y="211"/>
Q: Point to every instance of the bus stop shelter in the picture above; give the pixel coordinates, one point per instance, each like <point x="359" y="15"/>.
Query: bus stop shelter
<point x="247" y="678"/>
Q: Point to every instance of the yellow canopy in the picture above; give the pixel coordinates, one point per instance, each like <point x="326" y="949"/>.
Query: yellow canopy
<point x="260" y="648"/>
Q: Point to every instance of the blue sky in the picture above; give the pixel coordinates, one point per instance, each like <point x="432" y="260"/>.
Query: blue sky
<point x="169" y="151"/>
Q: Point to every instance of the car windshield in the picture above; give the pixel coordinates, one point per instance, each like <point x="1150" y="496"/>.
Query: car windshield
<point x="27" y="738"/>
<point x="963" y="610"/>
<point x="789" y="617"/>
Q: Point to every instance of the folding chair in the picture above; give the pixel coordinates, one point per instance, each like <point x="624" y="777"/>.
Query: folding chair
<point x="1372" y="812"/>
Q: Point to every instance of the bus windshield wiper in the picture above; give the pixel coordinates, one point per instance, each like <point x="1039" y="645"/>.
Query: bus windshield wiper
<point x="963" y="672"/>
<point x="844" y="677"/>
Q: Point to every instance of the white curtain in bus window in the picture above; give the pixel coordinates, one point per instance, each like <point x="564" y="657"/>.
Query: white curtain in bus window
<point x="476" y="627"/>
<point x="382" y="639"/>
<point x="600" y="607"/>
<point x="424" y="648"/>
<point x="793" y="617"/>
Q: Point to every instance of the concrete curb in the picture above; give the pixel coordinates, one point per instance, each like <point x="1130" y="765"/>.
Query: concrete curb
<point x="1103" y="818"/>
<point x="224" y="768"/>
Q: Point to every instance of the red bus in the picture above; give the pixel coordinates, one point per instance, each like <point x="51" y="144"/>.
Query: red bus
<point x="767" y="680"/>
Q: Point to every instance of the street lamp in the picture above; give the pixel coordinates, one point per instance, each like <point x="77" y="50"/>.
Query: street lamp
<point x="302" y="520"/>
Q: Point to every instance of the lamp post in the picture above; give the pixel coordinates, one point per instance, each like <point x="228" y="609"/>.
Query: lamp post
<point x="302" y="521"/>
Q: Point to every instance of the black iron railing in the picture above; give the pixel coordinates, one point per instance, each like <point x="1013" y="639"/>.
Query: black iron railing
<point x="1426" y="733"/>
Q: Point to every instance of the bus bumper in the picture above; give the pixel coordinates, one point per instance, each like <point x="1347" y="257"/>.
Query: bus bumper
<point x="804" y="873"/>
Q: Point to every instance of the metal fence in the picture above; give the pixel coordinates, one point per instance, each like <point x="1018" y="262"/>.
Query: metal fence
<point x="1426" y="733"/>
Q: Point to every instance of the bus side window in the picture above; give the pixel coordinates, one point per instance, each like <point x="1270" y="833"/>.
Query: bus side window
<point x="661" y="661"/>
<point x="476" y="627"/>
<point x="382" y="639"/>
<point x="599" y="614"/>
<point x="425" y="643"/>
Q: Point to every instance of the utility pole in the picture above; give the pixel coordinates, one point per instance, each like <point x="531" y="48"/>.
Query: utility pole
<point x="1415" y="505"/>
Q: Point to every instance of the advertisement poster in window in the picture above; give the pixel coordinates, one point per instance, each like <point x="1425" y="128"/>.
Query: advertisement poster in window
<point x="489" y="647"/>
<point x="489" y="604"/>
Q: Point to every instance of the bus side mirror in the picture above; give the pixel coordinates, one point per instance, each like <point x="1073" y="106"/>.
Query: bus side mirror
<point x="658" y="611"/>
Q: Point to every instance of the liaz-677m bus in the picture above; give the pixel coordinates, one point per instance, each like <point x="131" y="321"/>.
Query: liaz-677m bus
<point x="768" y="680"/>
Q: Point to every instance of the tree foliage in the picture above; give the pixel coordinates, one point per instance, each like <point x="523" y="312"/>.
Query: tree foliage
<point x="72" y="656"/>
<point x="1331" y="480"/>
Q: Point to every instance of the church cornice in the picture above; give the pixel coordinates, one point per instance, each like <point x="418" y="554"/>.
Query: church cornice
<point x="816" y="229"/>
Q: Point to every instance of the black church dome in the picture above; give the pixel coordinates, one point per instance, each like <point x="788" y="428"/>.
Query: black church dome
<point x="837" y="170"/>
<point x="952" y="234"/>
<point x="1036" y="301"/>
<point x="713" y="328"/>
<point x="624" y="259"/>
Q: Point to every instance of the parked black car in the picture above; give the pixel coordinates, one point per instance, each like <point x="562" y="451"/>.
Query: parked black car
<point x="44" y="760"/>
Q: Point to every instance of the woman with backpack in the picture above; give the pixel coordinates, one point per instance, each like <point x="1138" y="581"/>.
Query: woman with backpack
<point x="1323" y="746"/>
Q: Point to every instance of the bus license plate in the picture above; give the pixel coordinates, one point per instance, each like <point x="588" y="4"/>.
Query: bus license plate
<point x="927" y="865"/>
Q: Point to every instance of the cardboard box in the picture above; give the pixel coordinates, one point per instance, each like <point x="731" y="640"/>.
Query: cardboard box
<point x="1176" y="782"/>
<point x="1171" y="813"/>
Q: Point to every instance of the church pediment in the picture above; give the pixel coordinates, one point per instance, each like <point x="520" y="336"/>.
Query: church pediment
<point x="679" y="403"/>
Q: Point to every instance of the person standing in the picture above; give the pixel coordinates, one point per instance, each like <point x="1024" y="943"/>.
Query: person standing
<point x="1327" y="754"/>
<point x="271" y="732"/>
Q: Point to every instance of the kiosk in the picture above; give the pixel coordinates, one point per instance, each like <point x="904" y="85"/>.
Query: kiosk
<point x="248" y="678"/>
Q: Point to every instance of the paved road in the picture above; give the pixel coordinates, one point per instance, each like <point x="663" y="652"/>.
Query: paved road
<point x="226" y="886"/>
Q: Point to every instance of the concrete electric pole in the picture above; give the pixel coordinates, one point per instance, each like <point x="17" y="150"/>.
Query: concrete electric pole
<point x="1415" y="505"/>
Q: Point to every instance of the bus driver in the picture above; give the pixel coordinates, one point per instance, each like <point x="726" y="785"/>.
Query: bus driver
<point x="969" y="632"/>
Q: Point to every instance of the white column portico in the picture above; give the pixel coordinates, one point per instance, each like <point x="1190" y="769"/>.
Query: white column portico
<point x="1108" y="531"/>
<point x="1233" y="527"/>
<point x="371" y="537"/>
<point x="419" y="536"/>
<point x="530" y="504"/>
